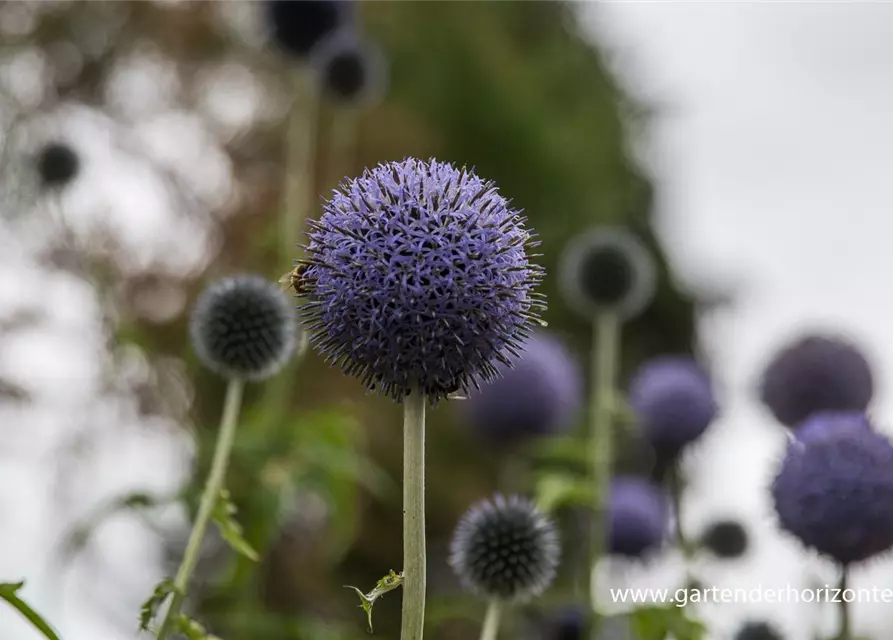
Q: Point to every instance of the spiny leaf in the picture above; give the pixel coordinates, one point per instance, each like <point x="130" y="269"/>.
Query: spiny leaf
<point x="9" y="592"/>
<point x="367" y="600"/>
<point x="230" y="530"/>
<point x="150" y="607"/>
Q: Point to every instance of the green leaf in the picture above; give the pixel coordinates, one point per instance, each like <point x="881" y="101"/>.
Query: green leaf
<point x="555" y="490"/>
<point x="150" y="607"/>
<point x="367" y="600"/>
<point x="661" y="623"/>
<point x="192" y="629"/>
<point x="9" y="592"/>
<point x="231" y="531"/>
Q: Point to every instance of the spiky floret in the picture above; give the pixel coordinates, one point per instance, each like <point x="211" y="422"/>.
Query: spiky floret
<point x="725" y="539"/>
<point x="638" y="517"/>
<point x="539" y="395"/>
<point x="350" y="70"/>
<point x="830" y="490"/>
<point x="757" y="631"/>
<point x="243" y="326"/>
<point x="816" y="373"/>
<point x="419" y="277"/>
<point x="57" y="164"/>
<point x="505" y="548"/>
<point x="672" y="398"/>
<point x="607" y="270"/>
<point x="297" y="26"/>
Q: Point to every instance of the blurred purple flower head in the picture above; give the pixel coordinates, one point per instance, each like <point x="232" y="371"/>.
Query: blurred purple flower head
<point x="418" y="277"/>
<point x="244" y="327"/>
<point x="832" y="492"/>
<point x="297" y="26"/>
<point x="638" y="515"/>
<point x="757" y="631"/>
<point x="350" y="70"/>
<point x="538" y="396"/>
<point x="725" y="539"/>
<point x="816" y="373"/>
<point x="607" y="270"/>
<point x="569" y="624"/>
<point x="505" y="548"/>
<point x="673" y="400"/>
<point x="57" y="164"/>
<point x="821" y="424"/>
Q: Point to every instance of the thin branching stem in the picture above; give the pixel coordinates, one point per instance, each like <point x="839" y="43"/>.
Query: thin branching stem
<point x="225" y="438"/>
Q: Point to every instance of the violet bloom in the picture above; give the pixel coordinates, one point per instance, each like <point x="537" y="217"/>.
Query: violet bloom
<point x="539" y="395"/>
<point x="351" y="71"/>
<point x="638" y="516"/>
<point x="816" y="373"/>
<point x="419" y="277"/>
<point x="297" y="26"/>
<point x="825" y="423"/>
<point x="831" y="490"/>
<point x="673" y="400"/>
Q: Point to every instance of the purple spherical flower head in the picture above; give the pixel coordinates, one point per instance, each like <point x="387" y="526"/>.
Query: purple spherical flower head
<point x="418" y="277"/>
<point x="833" y="490"/>
<point x="538" y="396"/>
<point x="673" y="400"/>
<point x="821" y="424"/>
<point x="638" y="516"/>
<point x="816" y="373"/>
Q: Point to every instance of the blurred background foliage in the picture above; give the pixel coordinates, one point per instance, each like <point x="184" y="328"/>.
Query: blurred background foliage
<point x="510" y="88"/>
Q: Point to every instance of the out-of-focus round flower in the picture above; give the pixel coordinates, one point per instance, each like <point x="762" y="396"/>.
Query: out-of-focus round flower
<point x="418" y="277"/>
<point x="350" y="70"/>
<point x="821" y="424"/>
<point x="673" y="400"/>
<point x="57" y="164"/>
<point x="638" y="517"/>
<point x="538" y="396"/>
<point x="568" y="624"/>
<point x="243" y="327"/>
<point x="725" y="539"/>
<point x="816" y="373"/>
<point x="607" y="270"/>
<point x="830" y="492"/>
<point x="505" y="548"/>
<point x="297" y="26"/>
<point x="757" y="631"/>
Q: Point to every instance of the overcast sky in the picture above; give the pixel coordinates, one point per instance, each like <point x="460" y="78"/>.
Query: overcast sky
<point x="772" y="153"/>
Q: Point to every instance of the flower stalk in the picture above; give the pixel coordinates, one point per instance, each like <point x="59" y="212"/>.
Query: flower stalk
<point x="490" y="629"/>
<point x="225" y="439"/>
<point x="845" y="632"/>
<point x="605" y="348"/>
<point x="414" y="563"/>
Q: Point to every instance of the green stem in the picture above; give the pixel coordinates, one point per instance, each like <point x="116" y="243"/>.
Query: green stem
<point x="845" y="622"/>
<point x="413" y="618"/>
<point x="490" y="630"/>
<point x="685" y="547"/>
<point x="605" y="348"/>
<point x="214" y="485"/>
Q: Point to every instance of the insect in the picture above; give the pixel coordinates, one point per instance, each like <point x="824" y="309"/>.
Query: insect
<point x="294" y="280"/>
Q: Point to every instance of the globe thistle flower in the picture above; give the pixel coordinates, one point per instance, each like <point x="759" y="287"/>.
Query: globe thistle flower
<point x="816" y="373"/>
<point x="569" y="624"/>
<point x="505" y="548"/>
<point x="725" y="539"/>
<point x="673" y="400"/>
<point x="638" y="517"/>
<point x="821" y="424"/>
<point x="757" y="631"/>
<point x="828" y="490"/>
<point x="57" y="165"/>
<point x="418" y="276"/>
<point x="298" y="26"/>
<point x="607" y="270"/>
<point x="351" y="71"/>
<point x="539" y="395"/>
<point x="243" y="327"/>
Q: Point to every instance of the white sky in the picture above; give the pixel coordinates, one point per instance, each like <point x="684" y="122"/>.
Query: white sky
<point x="771" y="158"/>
